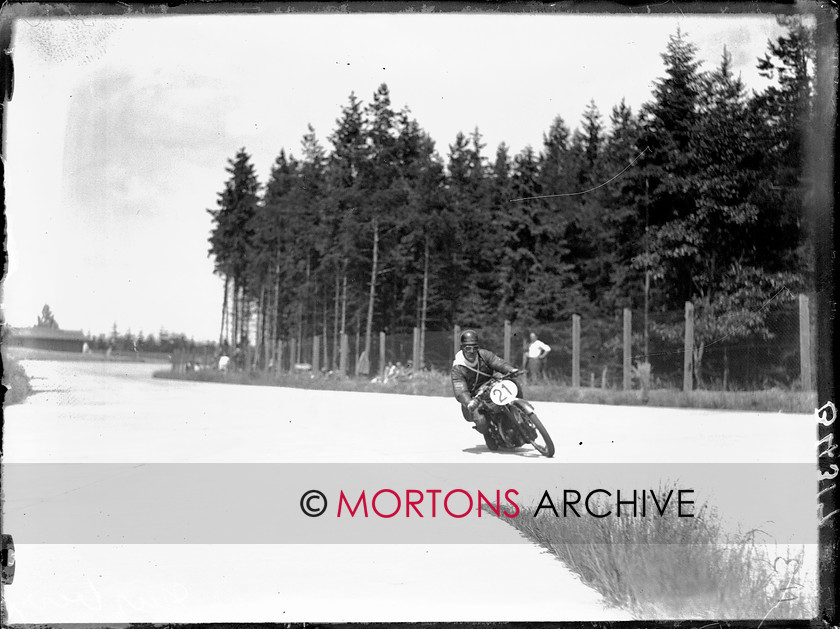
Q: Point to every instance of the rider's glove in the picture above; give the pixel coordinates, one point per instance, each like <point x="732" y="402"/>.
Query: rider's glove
<point x="472" y="405"/>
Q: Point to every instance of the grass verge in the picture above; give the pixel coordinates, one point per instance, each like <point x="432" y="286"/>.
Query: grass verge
<point x="426" y="383"/>
<point x="431" y="383"/>
<point x="772" y="400"/>
<point x="15" y="381"/>
<point x="668" y="567"/>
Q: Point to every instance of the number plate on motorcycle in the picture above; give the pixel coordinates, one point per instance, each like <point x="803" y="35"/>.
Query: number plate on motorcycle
<point x="503" y="392"/>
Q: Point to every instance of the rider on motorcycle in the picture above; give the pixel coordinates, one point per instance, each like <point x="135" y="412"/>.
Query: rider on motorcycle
<point x="471" y="368"/>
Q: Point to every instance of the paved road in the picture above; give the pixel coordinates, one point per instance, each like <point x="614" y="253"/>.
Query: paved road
<point x="116" y="413"/>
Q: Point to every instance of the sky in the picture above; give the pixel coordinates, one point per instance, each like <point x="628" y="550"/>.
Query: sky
<point x="120" y="129"/>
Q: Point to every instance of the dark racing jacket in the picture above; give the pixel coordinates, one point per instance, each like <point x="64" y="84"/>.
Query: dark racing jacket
<point x="466" y="379"/>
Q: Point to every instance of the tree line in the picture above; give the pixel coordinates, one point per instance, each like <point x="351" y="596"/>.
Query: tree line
<point x="697" y="196"/>
<point x="165" y="342"/>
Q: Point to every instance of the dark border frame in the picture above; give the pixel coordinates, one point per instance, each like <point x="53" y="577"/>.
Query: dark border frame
<point x="822" y="164"/>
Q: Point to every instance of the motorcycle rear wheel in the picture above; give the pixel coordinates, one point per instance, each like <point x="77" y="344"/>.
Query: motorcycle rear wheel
<point x="546" y="448"/>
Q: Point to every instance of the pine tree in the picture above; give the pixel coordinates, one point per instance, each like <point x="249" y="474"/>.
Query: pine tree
<point x="669" y="124"/>
<point x="384" y="194"/>
<point x="555" y="175"/>
<point x="593" y="140"/>
<point x="414" y="281"/>
<point x="784" y="112"/>
<point x="624" y="219"/>
<point x="343" y="258"/>
<point x="310" y="230"/>
<point x="589" y="234"/>
<point x="502" y="205"/>
<point x="232" y="238"/>
<point x="473" y="261"/>
<point x="519" y="228"/>
<point x="275" y="238"/>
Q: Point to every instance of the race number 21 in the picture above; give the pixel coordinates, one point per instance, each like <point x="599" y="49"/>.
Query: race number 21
<point x="826" y="415"/>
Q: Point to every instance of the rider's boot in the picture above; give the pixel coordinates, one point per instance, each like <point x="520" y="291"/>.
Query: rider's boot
<point x="482" y="427"/>
<point x="490" y="441"/>
<point x="480" y="423"/>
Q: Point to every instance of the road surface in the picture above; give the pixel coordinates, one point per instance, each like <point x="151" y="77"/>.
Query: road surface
<point x="115" y="413"/>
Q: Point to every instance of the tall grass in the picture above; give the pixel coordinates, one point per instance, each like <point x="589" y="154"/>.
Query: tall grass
<point x="435" y="383"/>
<point x="667" y="567"/>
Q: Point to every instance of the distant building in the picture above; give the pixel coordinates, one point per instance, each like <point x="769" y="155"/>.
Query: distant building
<point x="47" y="338"/>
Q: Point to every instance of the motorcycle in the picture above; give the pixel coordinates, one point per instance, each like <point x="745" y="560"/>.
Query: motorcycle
<point x="511" y="421"/>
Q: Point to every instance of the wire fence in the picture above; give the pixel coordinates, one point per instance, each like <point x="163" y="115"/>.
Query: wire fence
<point x="765" y="358"/>
<point x="769" y="356"/>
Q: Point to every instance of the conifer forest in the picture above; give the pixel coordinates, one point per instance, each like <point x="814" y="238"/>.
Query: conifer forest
<point x="698" y="195"/>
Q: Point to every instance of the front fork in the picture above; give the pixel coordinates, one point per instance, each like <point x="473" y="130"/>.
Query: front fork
<point x="520" y="419"/>
<point x="524" y="405"/>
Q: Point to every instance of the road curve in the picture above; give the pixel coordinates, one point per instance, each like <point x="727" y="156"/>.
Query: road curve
<point x="116" y="413"/>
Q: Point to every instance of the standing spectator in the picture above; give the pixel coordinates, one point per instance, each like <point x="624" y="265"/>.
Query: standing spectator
<point x="537" y="351"/>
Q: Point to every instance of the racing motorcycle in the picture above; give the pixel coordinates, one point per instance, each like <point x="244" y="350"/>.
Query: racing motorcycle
<point x="511" y="421"/>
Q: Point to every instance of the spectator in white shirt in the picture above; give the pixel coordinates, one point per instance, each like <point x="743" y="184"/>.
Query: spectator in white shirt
<point x="537" y="351"/>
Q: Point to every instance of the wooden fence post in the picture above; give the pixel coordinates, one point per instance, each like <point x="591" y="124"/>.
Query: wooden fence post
<point x="316" y="355"/>
<point x="688" y="358"/>
<point x="381" y="354"/>
<point x="507" y="341"/>
<point x="575" y="351"/>
<point x="292" y="354"/>
<point x="345" y="350"/>
<point x="266" y="352"/>
<point x="356" y="352"/>
<point x="805" y="343"/>
<point x="456" y="339"/>
<point x="415" y="355"/>
<point x="278" y="362"/>
<point x="628" y="348"/>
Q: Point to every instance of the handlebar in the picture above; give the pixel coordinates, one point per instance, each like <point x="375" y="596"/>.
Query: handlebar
<point x="495" y="378"/>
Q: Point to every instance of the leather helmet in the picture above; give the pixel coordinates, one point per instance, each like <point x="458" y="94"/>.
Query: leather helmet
<point x="469" y="337"/>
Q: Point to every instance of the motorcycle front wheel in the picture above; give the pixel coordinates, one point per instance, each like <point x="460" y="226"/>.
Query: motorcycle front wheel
<point x="542" y="441"/>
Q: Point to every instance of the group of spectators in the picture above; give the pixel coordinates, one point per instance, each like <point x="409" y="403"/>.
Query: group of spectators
<point x="533" y="360"/>
<point x="395" y="372"/>
<point x="231" y="361"/>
